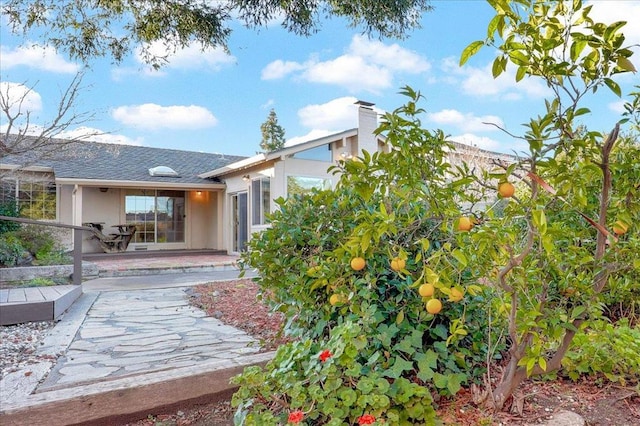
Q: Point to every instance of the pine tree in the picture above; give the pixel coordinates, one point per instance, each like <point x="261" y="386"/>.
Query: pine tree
<point x="272" y="133"/>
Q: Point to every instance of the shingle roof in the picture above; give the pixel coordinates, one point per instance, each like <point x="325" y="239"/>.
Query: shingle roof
<point x="105" y="162"/>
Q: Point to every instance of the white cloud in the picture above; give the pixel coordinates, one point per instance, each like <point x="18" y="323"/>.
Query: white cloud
<point x="350" y="72"/>
<point x="153" y="116"/>
<point x="312" y="135"/>
<point x="192" y="57"/>
<point x="324" y="119"/>
<point x="20" y="98"/>
<point x="394" y="56"/>
<point x="480" y="82"/>
<point x="35" y="56"/>
<point x="268" y="104"/>
<point x="337" y="114"/>
<point x="367" y="65"/>
<point x="280" y="69"/>
<point x="466" y="122"/>
<point x="617" y="107"/>
<point x="97" y="135"/>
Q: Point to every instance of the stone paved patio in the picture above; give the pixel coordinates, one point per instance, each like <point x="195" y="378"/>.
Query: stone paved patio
<point x="133" y="332"/>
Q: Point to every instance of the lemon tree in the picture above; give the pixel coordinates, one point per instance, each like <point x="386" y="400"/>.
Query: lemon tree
<point x="554" y="254"/>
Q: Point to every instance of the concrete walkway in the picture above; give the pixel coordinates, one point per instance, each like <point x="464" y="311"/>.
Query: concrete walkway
<point x="124" y="331"/>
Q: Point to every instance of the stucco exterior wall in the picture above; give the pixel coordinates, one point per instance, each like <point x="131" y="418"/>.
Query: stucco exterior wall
<point x="203" y="216"/>
<point x="202" y="220"/>
<point x="65" y="214"/>
<point x="105" y="207"/>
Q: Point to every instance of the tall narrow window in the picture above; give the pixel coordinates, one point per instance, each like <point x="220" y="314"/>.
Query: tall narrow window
<point x="260" y="200"/>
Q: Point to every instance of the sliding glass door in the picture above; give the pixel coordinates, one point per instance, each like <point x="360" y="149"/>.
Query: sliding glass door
<point x="157" y="214"/>
<point x="240" y="216"/>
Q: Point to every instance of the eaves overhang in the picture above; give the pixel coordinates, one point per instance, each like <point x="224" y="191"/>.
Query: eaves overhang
<point x="279" y="154"/>
<point x="12" y="167"/>
<point x="141" y="184"/>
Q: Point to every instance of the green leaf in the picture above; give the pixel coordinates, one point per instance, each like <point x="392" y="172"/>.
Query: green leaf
<point x="626" y="64"/>
<point x="531" y="362"/>
<point x="576" y="49"/>
<point x="542" y="363"/>
<point x="405" y="346"/>
<point x="518" y="58"/>
<point x="496" y="68"/>
<point x="348" y="396"/>
<point x="440" y="380"/>
<point x="454" y="382"/>
<point x="615" y="88"/>
<point x="612" y="29"/>
<point x="400" y="364"/>
<point x="521" y="72"/>
<point x="495" y="25"/>
<point x="547" y="243"/>
<point x="577" y="311"/>
<point x="540" y="220"/>
<point x="400" y="317"/>
<point x="460" y="257"/>
<point x="470" y="50"/>
<point x="427" y="359"/>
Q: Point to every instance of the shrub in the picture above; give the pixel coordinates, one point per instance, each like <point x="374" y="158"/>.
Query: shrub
<point x="53" y="257"/>
<point x="373" y="319"/>
<point x="11" y="250"/>
<point x="8" y="209"/>
<point x="41" y="282"/>
<point x="38" y="240"/>
<point x="332" y="382"/>
<point x="612" y="350"/>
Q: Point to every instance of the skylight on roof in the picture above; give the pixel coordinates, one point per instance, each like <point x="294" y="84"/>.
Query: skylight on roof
<point x="163" y="171"/>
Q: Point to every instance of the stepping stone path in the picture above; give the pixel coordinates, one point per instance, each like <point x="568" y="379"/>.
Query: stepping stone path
<point x="134" y="332"/>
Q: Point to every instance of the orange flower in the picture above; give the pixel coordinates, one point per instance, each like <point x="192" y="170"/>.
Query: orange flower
<point x="366" y="419"/>
<point x="325" y="355"/>
<point x="296" y="416"/>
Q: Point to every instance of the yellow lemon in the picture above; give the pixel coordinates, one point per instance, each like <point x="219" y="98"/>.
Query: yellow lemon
<point x="426" y="290"/>
<point x="434" y="306"/>
<point x="358" y="263"/>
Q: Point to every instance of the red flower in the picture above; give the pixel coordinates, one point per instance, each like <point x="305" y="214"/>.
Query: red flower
<point x="296" y="416"/>
<point x="325" y="355"/>
<point x="366" y="419"/>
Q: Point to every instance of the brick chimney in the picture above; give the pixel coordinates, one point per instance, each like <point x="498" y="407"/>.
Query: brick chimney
<point x="367" y="123"/>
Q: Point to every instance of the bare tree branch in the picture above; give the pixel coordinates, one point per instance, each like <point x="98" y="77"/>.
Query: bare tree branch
<point x="26" y="143"/>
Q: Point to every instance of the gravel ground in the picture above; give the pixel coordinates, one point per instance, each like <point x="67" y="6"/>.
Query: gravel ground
<point x="19" y="345"/>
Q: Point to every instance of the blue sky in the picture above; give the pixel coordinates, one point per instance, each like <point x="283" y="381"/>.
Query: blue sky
<point x="214" y="102"/>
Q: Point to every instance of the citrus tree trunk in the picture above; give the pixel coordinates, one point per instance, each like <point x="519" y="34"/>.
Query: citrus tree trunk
<point x="514" y="374"/>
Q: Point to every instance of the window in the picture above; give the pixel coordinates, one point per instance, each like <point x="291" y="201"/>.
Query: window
<point x="34" y="194"/>
<point x="260" y="200"/>
<point x="157" y="215"/>
<point x="304" y="185"/>
<point x="319" y="153"/>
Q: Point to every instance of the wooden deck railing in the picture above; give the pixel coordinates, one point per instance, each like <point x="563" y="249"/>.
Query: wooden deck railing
<point x="77" y="241"/>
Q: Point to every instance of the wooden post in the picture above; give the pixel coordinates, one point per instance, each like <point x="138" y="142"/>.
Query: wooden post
<point x="77" y="256"/>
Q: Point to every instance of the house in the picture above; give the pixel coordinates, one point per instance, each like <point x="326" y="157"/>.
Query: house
<point x="178" y="199"/>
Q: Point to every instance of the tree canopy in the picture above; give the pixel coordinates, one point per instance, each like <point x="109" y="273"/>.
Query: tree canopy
<point x="87" y="29"/>
<point x="272" y="133"/>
